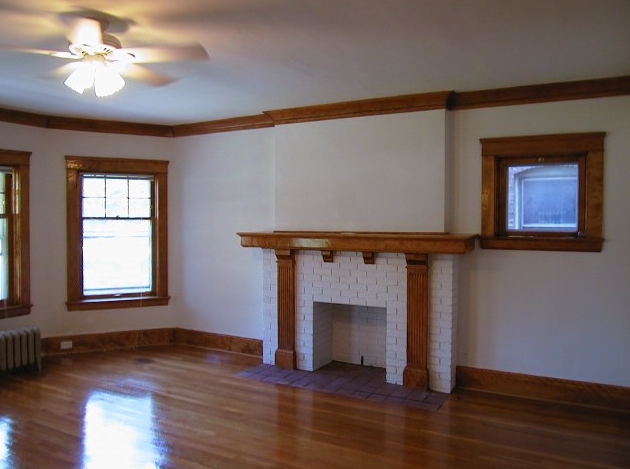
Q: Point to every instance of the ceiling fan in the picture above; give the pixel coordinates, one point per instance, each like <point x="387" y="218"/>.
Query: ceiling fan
<point x="100" y="61"/>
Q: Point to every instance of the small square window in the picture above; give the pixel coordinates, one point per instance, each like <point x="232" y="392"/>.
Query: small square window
<point x="542" y="198"/>
<point x="543" y="192"/>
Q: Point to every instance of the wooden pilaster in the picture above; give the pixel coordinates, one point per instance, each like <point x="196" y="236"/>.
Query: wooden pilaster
<point x="416" y="373"/>
<point x="285" y="354"/>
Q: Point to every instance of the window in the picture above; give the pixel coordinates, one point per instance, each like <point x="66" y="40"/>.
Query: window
<point x="15" y="296"/>
<point x="543" y="192"/>
<point x="117" y="233"/>
<point x="542" y="197"/>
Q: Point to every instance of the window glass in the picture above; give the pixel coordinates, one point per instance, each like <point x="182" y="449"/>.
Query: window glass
<point x="5" y="177"/>
<point x="117" y="234"/>
<point x="542" y="197"/>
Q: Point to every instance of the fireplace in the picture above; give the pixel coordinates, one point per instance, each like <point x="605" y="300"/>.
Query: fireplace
<point x="348" y="333"/>
<point x="411" y="277"/>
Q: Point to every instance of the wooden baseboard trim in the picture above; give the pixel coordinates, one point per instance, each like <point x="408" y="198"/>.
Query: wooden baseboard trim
<point x="543" y="388"/>
<point x="228" y="343"/>
<point x="149" y="337"/>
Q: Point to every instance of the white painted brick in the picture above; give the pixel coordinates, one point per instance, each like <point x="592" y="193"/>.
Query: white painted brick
<point x="386" y="284"/>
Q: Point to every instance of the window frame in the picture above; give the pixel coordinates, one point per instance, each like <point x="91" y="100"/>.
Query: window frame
<point x="77" y="165"/>
<point x="587" y="149"/>
<point x="18" y="302"/>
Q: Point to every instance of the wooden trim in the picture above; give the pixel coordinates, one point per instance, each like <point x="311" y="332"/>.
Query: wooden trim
<point x="18" y="302"/>
<point x="108" y="341"/>
<point x="328" y="256"/>
<point x="530" y="243"/>
<point x="544" y="93"/>
<point x="23" y="118"/>
<point x="116" y="165"/>
<point x="94" y="304"/>
<point x="543" y="388"/>
<point x="528" y="94"/>
<point x="110" y="127"/>
<point x="285" y="356"/>
<point x="75" y="165"/>
<point x="543" y="144"/>
<point x="223" y="125"/>
<point x="416" y="372"/>
<point x="151" y="337"/>
<point x="586" y="148"/>
<point x="228" y="343"/>
<point x="370" y="242"/>
<point x="369" y="258"/>
<point x="365" y="107"/>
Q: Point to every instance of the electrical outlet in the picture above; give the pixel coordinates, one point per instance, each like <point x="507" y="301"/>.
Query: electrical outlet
<point x="65" y="344"/>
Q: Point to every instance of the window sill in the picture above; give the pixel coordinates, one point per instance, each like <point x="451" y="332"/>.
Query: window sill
<point x="530" y="243"/>
<point x="14" y="310"/>
<point x="116" y="303"/>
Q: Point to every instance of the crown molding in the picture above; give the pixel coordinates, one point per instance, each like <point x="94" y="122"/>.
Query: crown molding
<point x="223" y="125"/>
<point x="23" y="118"/>
<point x="110" y="127"/>
<point x="531" y="94"/>
<point x="365" y="107"/>
<point x="449" y="100"/>
<point x="84" y="125"/>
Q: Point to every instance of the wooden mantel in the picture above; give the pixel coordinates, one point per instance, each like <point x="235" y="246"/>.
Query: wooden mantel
<point x="415" y="246"/>
<point x="361" y="241"/>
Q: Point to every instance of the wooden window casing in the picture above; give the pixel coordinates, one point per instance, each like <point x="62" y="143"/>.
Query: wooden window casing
<point x="585" y="149"/>
<point x="18" y="301"/>
<point x="75" y="166"/>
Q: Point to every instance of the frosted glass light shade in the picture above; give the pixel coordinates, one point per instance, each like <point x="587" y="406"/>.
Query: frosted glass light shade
<point x="107" y="81"/>
<point x="82" y="78"/>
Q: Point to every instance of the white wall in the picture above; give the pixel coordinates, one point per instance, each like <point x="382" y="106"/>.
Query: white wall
<point x="218" y="185"/>
<point x="378" y="173"/>
<point x="48" y="228"/>
<point x="564" y="315"/>
<point x="223" y="184"/>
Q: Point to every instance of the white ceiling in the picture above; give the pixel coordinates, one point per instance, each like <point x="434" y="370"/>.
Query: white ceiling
<point x="274" y="54"/>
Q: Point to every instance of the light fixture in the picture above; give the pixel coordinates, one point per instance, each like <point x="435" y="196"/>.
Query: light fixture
<point x="93" y="70"/>
<point x="107" y="81"/>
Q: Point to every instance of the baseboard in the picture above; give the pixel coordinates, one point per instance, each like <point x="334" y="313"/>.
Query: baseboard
<point x="148" y="337"/>
<point x="543" y="388"/>
<point x="229" y="343"/>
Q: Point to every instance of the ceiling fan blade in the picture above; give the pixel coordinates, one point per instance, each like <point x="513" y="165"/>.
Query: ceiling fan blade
<point x="166" y="53"/>
<point x="52" y="53"/>
<point x="63" y="71"/>
<point x="143" y="74"/>
<point x="86" y="31"/>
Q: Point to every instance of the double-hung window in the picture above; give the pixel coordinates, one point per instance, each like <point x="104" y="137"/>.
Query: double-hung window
<point x="117" y="253"/>
<point x="14" y="234"/>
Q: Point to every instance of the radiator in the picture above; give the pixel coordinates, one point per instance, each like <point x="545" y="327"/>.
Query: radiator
<point x="20" y="348"/>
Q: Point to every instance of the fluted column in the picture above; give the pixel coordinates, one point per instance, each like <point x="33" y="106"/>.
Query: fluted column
<point x="285" y="354"/>
<point x="416" y="373"/>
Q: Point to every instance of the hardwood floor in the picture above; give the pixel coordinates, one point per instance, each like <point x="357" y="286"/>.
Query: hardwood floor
<point x="183" y="407"/>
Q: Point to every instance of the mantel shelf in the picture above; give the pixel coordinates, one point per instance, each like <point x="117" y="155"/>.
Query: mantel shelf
<point x="361" y="241"/>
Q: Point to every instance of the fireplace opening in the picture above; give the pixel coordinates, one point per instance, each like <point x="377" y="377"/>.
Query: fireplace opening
<point x="350" y="334"/>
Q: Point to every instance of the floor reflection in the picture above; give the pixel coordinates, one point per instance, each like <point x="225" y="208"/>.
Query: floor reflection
<point x="119" y="432"/>
<point x="5" y="442"/>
